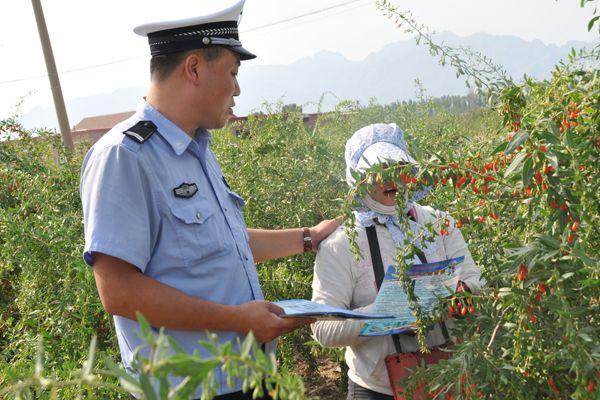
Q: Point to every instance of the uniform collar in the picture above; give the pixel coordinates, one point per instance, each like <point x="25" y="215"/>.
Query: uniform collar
<point x="174" y="135"/>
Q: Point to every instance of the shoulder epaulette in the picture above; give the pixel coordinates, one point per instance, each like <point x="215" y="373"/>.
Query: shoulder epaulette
<point x="141" y="131"/>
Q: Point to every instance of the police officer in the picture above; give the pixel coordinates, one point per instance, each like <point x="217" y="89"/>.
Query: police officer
<point x="164" y="232"/>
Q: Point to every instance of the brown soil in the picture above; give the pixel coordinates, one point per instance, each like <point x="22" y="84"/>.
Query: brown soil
<point x="325" y="383"/>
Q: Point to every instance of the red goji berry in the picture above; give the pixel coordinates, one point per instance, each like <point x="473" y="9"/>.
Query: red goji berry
<point x="523" y="272"/>
<point x="553" y="386"/>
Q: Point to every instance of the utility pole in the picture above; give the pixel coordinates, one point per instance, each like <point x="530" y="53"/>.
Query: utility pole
<point x="59" y="102"/>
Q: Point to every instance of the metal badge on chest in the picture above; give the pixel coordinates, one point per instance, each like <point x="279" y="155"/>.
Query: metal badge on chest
<point x="185" y="190"/>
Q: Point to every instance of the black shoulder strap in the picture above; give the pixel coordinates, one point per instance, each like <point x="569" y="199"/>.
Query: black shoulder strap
<point x="378" y="271"/>
<point x="141" y="131"/>
<point x="375" y="256"/>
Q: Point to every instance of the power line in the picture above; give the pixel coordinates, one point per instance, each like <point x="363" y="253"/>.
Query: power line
<point x="74" y="70"/>
<point x="308" y="21"/>
<point x="300" y="16"/>
<point x="319" y="11"/>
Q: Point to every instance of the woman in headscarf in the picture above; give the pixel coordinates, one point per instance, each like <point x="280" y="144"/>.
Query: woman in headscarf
<point x="342" y="282"/>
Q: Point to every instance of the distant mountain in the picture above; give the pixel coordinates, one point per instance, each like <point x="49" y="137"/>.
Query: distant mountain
<point x="387" y="75"/>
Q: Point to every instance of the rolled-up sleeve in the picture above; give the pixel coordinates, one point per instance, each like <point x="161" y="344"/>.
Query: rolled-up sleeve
<point x="117" y="205"/>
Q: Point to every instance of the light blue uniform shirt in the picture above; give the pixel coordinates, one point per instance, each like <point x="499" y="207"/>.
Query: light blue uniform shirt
<point x="198" y="245"/>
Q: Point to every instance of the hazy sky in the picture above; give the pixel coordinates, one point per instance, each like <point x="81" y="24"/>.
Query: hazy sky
<point x="97" y="52"/>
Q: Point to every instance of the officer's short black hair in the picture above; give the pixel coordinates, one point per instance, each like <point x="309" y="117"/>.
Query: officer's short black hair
<point x="161" y="66"/>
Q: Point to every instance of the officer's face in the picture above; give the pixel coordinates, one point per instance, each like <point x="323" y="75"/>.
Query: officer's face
<point x="219" y="89"/>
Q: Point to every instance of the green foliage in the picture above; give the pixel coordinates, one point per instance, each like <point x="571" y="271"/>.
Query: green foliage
<point x="529" y="203"/>
<point x="256" y="370"/>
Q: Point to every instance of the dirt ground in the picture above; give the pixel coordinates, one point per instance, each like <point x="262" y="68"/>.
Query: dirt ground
<point x="327" y="385"/>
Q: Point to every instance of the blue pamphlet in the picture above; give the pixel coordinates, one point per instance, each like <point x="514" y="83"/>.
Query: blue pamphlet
<point x="310" y="309"/>
<point x="431" y="281"/>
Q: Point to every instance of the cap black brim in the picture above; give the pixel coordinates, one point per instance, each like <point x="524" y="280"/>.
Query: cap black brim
<point x="244" y="54"/>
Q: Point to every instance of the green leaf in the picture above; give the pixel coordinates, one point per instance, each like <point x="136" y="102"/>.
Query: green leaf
<point x="147" y="387"/>
<point x="186" y="365"/>
<point x="585" y="337"/>
<point x="579" y="252"/>
<point x="87" y="369"/>
<point x="592" y="21"/>
<point x="527" y="171"/>
<point x="516" y="141"/>
<point x="550" y="138"/>
<point x="499" y="148"/>
<point x="569" y="138"/>
<point x="127" y="381"/>
<point x="549" y="241"/>
<point x="163" y="387"/>
<point x="247" y="345"/>
<point x="175" y="345"/>
<point x="514" y="164"/>
<point x="39" y="357"/>
<point x="566" y="276"/>
<point x="145" y="329"/>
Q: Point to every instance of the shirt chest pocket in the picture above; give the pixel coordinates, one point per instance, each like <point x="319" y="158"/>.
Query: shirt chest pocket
<point x="197" y="225"/>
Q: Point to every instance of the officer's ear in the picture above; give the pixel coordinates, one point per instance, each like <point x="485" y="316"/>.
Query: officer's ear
<point x="194" y="68"/>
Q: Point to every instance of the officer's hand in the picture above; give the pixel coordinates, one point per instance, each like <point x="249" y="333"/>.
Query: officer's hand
<point x="322" y="230"/>
<point x="262" y="318"/>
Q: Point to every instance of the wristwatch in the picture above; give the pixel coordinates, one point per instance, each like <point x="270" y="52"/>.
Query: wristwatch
<point x="307" y="240"/>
